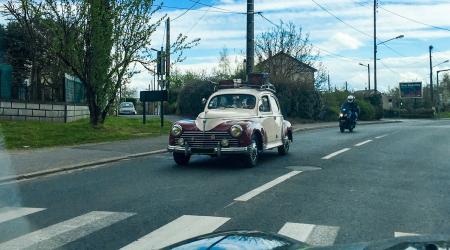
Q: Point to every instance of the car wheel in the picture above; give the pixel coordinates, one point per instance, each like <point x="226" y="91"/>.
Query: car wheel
<point x="284" y="149"/>
<point x="253" y="154"/>
<point x="181" y="158"/>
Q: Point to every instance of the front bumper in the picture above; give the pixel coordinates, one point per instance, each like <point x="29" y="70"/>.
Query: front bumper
<point x="208" y="151"/>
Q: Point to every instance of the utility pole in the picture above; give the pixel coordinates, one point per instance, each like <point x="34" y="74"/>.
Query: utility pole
<point x="167" y="66"/>
<point x="375" y="44"/>
<point x="250" y="36"/>
<point x="346" y="86"/>
<point x="431" y="77"/>
<point x="329" y="85"/>
<point x="368" y="74"/>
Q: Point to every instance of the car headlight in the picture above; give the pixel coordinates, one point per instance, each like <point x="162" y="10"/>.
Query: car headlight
<point x="236" y="131"/>
<point x="176" y="130"/>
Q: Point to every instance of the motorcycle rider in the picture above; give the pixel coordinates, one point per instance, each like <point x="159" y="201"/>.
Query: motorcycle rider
<point x="351" y="105"/>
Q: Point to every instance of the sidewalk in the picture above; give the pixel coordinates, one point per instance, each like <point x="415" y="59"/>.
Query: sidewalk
<point x="22" y="164"/>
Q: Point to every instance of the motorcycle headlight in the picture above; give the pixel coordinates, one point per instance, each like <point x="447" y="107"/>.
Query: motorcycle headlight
<point x="341" y="115"/>
<point x="176" y="130"/>
<point x="236" y="131"/>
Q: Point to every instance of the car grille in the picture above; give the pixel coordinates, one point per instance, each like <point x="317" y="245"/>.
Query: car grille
<point x="208" y="139"/>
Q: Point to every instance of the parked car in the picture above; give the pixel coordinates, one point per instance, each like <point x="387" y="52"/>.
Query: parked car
<point x="127" y="108"/>
<point x="238" y="119"/>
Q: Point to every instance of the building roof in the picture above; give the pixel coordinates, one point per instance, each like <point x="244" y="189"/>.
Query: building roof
<point x="289" y="57"/>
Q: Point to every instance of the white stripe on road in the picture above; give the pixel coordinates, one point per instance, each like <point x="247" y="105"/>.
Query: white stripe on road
<point x="381" y="136"/>
<point x="335" y="153"/>
<point x="362" y="143"/>
<point x="10" y="213"/>
<point x="316" y="235"/>
<point x="401" y="234"/>
<point x="65" y="232"/>
<point x="183" y="228"/>
<point x="268" y="185"/>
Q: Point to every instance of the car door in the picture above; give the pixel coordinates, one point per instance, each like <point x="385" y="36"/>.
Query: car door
<point x="267" y="118"/>
<point x="278" y="117"/>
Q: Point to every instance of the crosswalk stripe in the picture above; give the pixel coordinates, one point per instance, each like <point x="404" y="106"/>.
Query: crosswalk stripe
<point x="316" y="235"/>
<point x="401" y="234"/>
<point x="182" y="228"/>
<point x="65" y="232"/>
<point x="10" y="213"/>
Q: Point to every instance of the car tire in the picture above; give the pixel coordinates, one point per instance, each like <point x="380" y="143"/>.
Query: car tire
<point x="181" y="158"/>
<point x="251" y="159"/>
<point x="284" y="149"/>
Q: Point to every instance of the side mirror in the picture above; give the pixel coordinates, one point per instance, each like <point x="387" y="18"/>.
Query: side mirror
<point x="203" y="100"/>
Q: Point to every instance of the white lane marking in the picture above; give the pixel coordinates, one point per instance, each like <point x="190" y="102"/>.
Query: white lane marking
<point x="381" y="136"/>
<point x="335" y="153"/>
<point x="362" y="143"/>
<point x="401" y="234"/>
<point x="10" y="213"/>
<point x="65" y="232"/>
<point x="247" y="196"/>
<point x="316" y="235"/>
<point x="183" y="228"/>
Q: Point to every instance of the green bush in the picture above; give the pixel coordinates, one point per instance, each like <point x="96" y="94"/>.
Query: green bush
<point x="418" y="113"/>
<point x="367" y="111"/>
<point x="189" y="102"/>
<point x="297" y="100"/>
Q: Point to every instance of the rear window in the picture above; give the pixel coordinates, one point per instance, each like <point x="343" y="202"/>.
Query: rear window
<point x="126" y="105"/>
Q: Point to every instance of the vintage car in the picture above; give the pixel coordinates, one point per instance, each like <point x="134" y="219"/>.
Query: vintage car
<point x="239" y="119"/>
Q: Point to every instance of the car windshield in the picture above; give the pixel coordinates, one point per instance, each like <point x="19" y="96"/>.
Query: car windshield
<point x="126" y="105"/>
<point x="239" y="101"/>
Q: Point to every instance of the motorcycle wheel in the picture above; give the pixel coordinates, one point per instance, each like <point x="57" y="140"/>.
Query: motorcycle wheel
<point x="342" y="129"/>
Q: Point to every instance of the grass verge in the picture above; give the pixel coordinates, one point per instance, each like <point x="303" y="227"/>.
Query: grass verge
<point x="32" y="134"/>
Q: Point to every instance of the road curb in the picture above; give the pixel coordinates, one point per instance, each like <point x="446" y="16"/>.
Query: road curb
<point x="131" y="156"/>
<point x="76" y="166"/>
<point x="335" y="125"/>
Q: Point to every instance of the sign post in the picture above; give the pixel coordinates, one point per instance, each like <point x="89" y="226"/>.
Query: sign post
<point x="153" y="96"/>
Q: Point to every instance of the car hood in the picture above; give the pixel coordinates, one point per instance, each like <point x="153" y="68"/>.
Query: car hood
<point x="258" y="240"/>
<point x="212" y="118"/>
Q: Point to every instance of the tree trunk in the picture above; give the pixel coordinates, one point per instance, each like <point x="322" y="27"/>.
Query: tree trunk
<point x="96" y="115"/>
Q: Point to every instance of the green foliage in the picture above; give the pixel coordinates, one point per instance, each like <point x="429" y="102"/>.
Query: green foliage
<point x="298" y="100"/>
<point x="367" y="111"/>
<point x="18" y="134"/>
<point x="189" y="101"/>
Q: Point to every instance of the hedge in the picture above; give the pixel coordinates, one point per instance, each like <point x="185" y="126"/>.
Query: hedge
<point x="189" y="102"/>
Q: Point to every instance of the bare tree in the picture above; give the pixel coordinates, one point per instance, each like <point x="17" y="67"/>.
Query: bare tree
<point x="99" y="41"/>
<point x="289" y="39"/>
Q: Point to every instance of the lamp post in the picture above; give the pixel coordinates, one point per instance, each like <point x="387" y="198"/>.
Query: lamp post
<point x="431" y="76"/>
<point x="368" y="72"/>
<point x="375" y="58"/>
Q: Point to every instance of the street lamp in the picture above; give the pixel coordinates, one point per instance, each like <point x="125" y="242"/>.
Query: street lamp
<point x="375" y="58"/>
<point x="368" y="72"/>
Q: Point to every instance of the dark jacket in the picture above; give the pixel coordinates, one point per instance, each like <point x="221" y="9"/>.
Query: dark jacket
<point x="353" y="107"/>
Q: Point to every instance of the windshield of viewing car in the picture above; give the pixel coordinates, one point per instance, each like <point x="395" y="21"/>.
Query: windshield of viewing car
<point x="240" y="101"/>
<point x="126" y="105"/>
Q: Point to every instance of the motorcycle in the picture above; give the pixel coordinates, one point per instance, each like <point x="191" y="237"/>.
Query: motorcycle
<point x="346" y="121"/>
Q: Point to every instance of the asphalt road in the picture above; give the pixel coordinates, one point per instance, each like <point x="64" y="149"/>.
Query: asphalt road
<point x="377" y="182"/>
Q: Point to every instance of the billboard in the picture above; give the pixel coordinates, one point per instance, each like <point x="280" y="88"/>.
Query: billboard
<point x="410" y="89"/>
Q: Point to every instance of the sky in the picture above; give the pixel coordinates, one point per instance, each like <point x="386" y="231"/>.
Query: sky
<point x="342" y="45"/>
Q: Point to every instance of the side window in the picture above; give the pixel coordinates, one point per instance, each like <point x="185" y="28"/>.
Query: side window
<point x="264" y="104"/>
<point x="275" y="105"/>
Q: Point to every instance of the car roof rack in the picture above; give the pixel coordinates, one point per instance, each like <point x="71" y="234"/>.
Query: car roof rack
<point x="259" y="81"/>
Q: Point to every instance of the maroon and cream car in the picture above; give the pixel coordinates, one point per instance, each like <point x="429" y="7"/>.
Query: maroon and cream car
<point x="239" y="119"/>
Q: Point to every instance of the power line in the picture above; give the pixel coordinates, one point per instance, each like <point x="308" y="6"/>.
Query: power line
<point x="414" y="20"/>
<point x="202" y="10"/>
<point x="212" y="6"/>
<point x="315" y="46"/>
<point x="186" y="11"/>
<point x="338" y="18"/>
